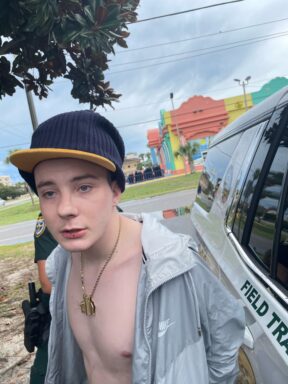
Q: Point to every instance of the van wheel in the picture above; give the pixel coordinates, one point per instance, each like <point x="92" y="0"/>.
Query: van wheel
<point x="246" y="375"/>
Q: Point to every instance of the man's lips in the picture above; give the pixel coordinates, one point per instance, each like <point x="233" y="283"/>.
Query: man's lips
<point x="73" y="233"/>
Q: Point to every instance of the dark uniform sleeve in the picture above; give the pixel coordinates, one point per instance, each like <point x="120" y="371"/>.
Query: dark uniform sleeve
<point x="44" y="242"/>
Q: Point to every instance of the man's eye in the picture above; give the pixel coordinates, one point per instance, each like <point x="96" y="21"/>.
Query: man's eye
<point x="48" y="194"/>
<point x="85" y="188"/>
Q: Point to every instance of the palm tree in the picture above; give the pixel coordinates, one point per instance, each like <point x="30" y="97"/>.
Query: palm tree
<point x="148" y="162"/>
<point x="141" y="156"/>
<point x="7" y="161"/>
<point x="187" y="151"/>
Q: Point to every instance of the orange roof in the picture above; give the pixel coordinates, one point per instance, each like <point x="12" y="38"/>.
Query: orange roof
<point x="153" y="137"/>
<point x="199" y="117"/>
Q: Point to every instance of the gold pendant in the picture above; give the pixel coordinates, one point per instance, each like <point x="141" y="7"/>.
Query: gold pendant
<point x="87" y="305"/>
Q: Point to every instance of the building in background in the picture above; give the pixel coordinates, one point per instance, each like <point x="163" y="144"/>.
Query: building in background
<point x="154" y="139"/>
<point x="197" y="120"/>
<point x="130" y="163"/>
<point x="5" y="180"/>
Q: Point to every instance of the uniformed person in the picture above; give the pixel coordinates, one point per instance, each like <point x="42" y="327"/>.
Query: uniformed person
<point x="44" y="244"/>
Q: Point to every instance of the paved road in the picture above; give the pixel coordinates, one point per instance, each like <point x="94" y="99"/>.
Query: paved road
<point x="23" y="232"/>
<point x="159" y="203"/>
<point x="17" y="233"/>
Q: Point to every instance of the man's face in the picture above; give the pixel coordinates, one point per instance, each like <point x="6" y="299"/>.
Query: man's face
<point x="77" y="201"/>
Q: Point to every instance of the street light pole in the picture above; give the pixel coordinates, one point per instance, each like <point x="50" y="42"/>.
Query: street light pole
<point x="177" y="128"/>
<point x="243" y="83"/>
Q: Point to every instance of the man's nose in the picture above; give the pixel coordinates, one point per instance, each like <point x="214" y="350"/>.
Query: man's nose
<point x="66" y="206"/>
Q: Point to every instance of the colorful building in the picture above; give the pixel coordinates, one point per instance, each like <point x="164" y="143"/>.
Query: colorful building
<point x="197" y="120"/>
<point x="130" y="163"/>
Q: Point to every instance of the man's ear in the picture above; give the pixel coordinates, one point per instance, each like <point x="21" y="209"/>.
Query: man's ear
<point x="116" y="192"/>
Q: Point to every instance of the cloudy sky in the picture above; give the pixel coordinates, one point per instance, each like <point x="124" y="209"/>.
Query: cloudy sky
<point x="193" y="53"/>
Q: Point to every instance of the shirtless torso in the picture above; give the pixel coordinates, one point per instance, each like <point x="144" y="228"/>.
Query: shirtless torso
<point x="106" y="338"/>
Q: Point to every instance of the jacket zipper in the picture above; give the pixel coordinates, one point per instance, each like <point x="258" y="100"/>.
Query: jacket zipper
<point x="145" y="314"/>
<point x="145" y="335"/>
<point x="197" y="314"/>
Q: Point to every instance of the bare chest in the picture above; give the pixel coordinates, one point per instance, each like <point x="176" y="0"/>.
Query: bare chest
<point x="106" y="338"/>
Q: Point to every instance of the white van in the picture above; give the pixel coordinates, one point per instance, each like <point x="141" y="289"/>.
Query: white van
<point x="240" y="222"/>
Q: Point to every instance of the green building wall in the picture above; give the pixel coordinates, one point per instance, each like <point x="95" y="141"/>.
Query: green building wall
<point x="268" y="89"/>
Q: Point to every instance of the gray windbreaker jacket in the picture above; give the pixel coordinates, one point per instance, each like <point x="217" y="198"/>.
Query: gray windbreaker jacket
<point x="188" y="327"/>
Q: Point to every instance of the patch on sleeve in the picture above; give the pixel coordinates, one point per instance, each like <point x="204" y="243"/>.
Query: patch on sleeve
<point x="40" y="227"/>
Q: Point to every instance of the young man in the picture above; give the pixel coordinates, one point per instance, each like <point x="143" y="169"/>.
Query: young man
<point x="131" y="301"/>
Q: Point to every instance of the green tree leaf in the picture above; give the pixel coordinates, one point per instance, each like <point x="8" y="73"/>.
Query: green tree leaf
<point x="41" y="40"/>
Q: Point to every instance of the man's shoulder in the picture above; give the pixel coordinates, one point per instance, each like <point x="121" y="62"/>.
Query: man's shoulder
<point x="57" y="263"/>
<point x="40" y="226"/>
<point x="43" y="240"/>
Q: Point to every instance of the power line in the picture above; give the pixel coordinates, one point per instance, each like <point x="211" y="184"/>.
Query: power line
<point x="193" y="111"/>
<point x="199" y="92"/>
<point x="233" y="45"/>
<point x="193" y="56"/>
<point x="189" y="39"/>
<point x="155" y="103"/>
<point x="203" y="49"/>
<point x="6" y="129"/>
<point x="156" y="120"/>
<point x="14" y="145"/>
<point x="13" y="125"/>
<point x="201" y="36"/>
<point x="182" y="12"/>
<point x="13" y="132"/>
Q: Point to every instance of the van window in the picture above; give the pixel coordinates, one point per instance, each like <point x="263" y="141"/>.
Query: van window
<point x="243" y="156"/>
<point x="253" y="178"/>
<point x="261" y="220"/>
<point x="282" y="264"/>
<point x="216" y="163"/>
<point x="263" y="228"/>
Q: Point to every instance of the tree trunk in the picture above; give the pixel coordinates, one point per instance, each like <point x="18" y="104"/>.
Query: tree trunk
<point x="30" y="193"/>
<point x="192" y="167"/>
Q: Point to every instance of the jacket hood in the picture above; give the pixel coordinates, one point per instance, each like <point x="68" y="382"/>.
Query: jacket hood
<point x="168" y="254"/>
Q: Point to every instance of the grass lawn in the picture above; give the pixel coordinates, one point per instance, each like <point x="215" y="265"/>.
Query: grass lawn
<point x="17" y="268"/>
<point x="17" y="250"/>
<point x="18" y="213"/>
<point x="160" y="187"/>
<point x="26" y="211"/>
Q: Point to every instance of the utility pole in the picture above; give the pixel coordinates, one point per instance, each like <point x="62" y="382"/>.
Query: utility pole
<point x="34" y="121"/>
<point x="243" y="83"/>
<point x="31" y="108"/>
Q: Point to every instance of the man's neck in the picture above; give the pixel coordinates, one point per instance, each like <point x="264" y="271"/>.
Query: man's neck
<point x="107" y="244"/>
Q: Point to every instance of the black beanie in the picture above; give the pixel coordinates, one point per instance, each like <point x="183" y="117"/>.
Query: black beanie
<point x="84" y="135"/>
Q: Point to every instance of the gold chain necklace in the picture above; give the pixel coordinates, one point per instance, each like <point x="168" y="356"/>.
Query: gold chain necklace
<point x="87" y="305"/>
